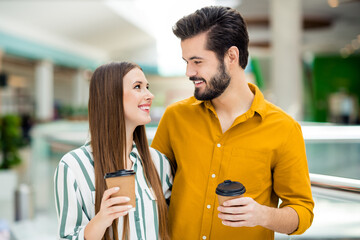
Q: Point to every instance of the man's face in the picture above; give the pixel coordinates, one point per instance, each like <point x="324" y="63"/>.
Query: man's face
<point x="203" y="68"/>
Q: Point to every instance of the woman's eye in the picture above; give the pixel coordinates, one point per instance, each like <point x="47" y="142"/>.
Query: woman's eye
<point x="197" y="62"/>
<point x="137" y="87"/>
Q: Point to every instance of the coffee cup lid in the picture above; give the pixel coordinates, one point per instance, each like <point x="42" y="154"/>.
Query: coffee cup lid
<point x="230" y="188"/>
<point x="120" y="173"/>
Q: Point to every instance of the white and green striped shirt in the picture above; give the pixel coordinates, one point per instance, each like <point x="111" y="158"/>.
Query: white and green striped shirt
<point x="75" y="194"/>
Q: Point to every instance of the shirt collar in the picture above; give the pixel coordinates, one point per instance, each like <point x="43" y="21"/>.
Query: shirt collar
<point x="198" y="102"/>
<point x="258" y="105"/>
<point x="134" y="154"/>
<point x="88" y="145"/>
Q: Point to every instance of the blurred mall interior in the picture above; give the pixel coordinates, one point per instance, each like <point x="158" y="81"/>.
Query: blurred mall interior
<point x="304" y="56"/>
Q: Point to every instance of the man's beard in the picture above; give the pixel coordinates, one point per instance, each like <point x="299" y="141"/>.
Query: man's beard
<point x="215" y="87"/>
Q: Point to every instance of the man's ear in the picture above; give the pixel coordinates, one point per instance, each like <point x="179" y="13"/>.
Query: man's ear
<point x="233" y="55"/>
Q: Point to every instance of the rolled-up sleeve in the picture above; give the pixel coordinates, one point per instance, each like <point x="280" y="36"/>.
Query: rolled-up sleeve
<point x="291" y="178"/>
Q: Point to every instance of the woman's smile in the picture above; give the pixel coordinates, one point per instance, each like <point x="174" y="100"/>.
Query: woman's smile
<point x="145" y="107"/>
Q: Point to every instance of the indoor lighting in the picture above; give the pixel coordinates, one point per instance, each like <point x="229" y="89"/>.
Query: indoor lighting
<point x="355" y="44"/>
<point x="156" y="18"/>
<point x="333" y="3"/>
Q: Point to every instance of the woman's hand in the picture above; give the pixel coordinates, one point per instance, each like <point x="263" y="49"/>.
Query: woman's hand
<point x="109" y="211"/>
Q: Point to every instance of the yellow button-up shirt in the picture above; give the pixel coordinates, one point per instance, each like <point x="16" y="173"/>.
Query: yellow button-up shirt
<point x="263" y="149"/>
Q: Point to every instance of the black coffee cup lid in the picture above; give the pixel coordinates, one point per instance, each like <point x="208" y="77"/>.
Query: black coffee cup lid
<point x="230" y="188"/>
<point x="120" y="173"/>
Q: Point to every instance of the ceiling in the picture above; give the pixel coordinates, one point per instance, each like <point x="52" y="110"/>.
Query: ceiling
<point x="93" y="29"/>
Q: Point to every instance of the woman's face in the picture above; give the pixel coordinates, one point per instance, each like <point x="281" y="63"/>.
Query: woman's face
<point x="137" y="98"/>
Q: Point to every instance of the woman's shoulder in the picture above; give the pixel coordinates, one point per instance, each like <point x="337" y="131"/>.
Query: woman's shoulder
<point x="78" y="158"/>
<point x="157" y="155"/>
<point x="159" y="159"/>
<point x="162" y="165"/>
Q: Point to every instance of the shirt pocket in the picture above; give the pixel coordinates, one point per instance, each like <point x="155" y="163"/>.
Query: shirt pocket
<point x="149" y="201"/>
<point x="251" y="168"/>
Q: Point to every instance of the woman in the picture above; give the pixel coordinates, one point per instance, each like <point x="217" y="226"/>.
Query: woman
<point x="119" y="104"/>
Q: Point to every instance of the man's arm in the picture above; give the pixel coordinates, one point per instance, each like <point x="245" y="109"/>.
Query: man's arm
<point x="246" y="212"/>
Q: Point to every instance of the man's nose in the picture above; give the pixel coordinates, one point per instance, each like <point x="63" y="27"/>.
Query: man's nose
<point x="190" y="71"/>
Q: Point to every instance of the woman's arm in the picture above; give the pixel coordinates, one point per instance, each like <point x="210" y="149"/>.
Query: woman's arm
<point x="163" y="167"/>
<point x="73" y="220"/>
<point x="71" y="216"/>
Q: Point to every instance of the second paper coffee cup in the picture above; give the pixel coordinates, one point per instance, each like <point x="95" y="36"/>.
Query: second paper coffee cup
<point x="125" y="180"/>
<point x="229" y="190"/>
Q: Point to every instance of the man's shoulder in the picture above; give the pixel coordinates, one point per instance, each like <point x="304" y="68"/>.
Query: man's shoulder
<point x="184" y="103"/>
<point x="278" y="115"/>
<point x="187" y="104"/>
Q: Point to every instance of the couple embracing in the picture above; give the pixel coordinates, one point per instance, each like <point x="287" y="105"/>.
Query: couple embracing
<point x="226" y="131"/>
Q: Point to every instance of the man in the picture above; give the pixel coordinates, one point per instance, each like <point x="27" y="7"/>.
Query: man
<point x="228" y="131"/>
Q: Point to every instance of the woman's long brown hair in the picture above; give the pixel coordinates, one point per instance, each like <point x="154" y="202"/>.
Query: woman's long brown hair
<point x="108" y="140"/>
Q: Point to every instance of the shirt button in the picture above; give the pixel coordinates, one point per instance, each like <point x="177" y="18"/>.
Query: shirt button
<point x="218" y="145"/>
<point x="204" y="237"/>
<point x="208" y="206"/>
<point x="213" y="175"/>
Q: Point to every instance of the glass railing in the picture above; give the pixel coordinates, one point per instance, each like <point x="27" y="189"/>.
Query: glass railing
<point x="333" y="154"/>
<point x="337" y="209"/>
<point x="335" y="187"/>
<point x="336" y="214"/>
<point x="333" y="150"/>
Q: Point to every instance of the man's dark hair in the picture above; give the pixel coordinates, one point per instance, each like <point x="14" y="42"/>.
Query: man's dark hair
<point x="225" y="27"/>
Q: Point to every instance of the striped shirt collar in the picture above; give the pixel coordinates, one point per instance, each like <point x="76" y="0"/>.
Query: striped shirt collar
<point x="134" y="154"/>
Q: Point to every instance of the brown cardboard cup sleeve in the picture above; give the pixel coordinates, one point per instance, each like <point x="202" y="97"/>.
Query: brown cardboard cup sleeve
<point x="125" y="180"/>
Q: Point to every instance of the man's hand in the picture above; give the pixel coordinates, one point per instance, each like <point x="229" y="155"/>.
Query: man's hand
<point x="246" y="212"/>
<point x="242" y="212"/>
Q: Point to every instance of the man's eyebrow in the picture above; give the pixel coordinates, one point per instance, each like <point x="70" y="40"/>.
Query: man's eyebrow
<point x="194" y="58"/>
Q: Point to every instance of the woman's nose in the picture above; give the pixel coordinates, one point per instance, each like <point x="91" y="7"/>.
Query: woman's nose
<point x="149" y="95"/>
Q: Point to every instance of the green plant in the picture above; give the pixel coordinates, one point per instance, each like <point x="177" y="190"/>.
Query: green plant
<point x="68" y="111"/>
<point x="10" y="141"/>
